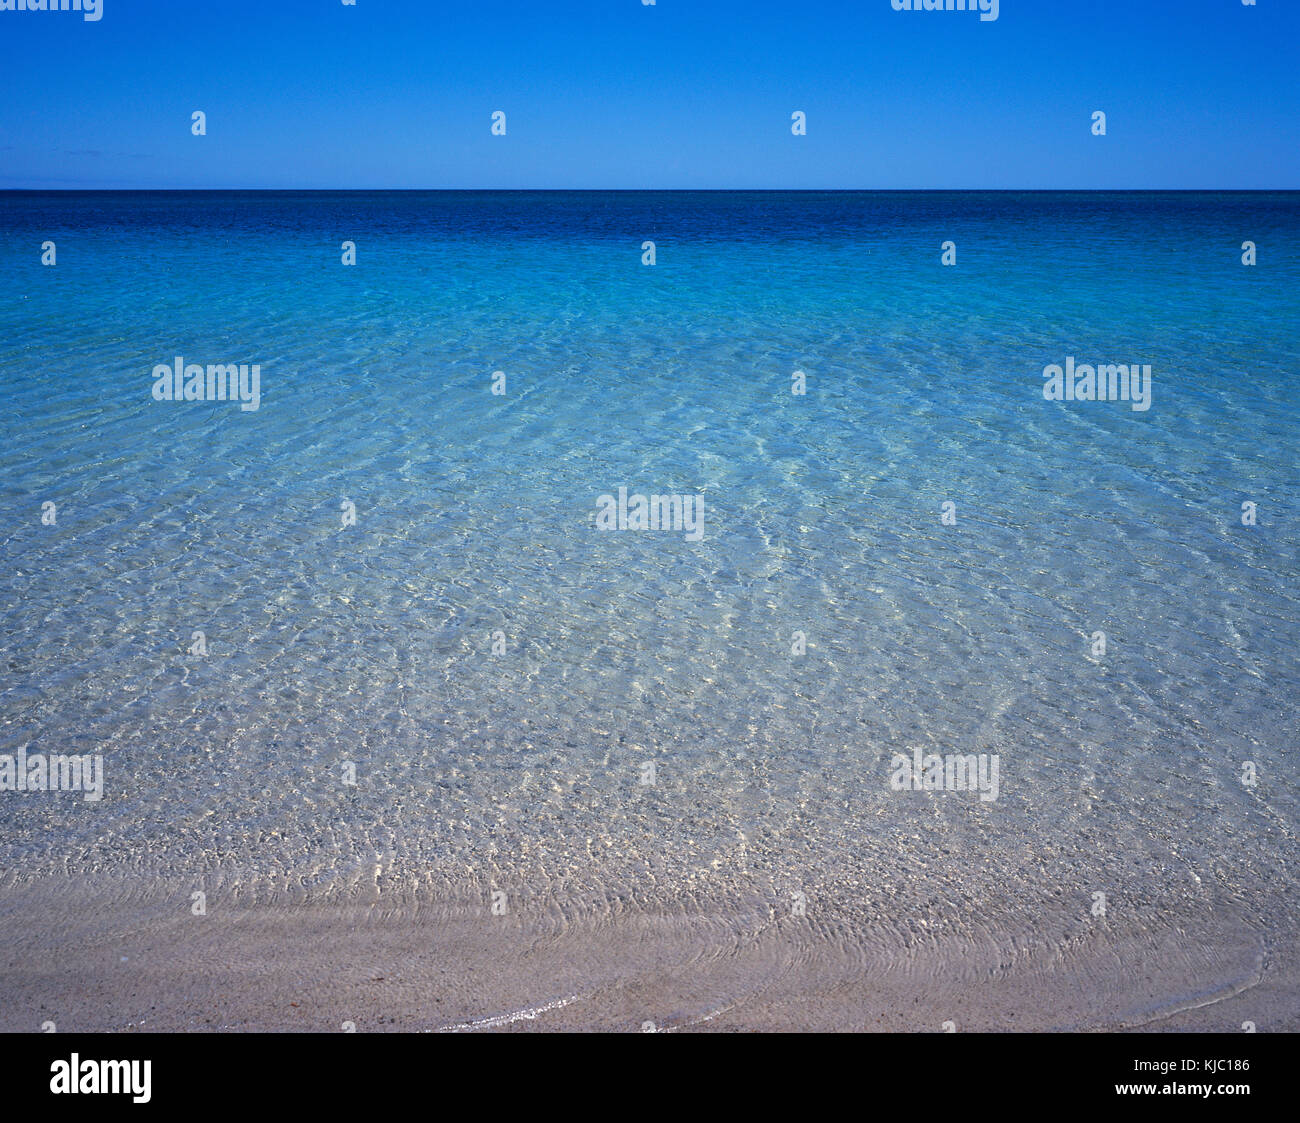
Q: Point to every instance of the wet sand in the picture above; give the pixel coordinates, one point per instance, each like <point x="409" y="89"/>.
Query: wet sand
<point x="113" y="958"/>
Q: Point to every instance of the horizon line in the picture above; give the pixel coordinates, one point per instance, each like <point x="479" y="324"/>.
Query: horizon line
<point x="675" y="190"/>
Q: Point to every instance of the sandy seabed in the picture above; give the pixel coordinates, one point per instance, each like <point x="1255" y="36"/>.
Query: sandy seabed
<point x="126" y="957"/>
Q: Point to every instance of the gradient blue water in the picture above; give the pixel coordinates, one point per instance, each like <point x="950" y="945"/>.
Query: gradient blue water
<point x="372" y="643"/>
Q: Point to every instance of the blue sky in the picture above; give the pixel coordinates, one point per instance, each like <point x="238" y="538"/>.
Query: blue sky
<point x="682" y="94"/>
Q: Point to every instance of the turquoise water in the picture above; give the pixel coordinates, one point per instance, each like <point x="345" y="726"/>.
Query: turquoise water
<point x="475" y="514"/>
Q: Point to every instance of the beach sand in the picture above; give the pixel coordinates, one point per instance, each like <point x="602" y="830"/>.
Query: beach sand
<point x="114" y="958"/>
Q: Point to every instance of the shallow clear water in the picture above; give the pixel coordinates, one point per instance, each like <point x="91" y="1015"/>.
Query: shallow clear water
<point x="372" y="643"/>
